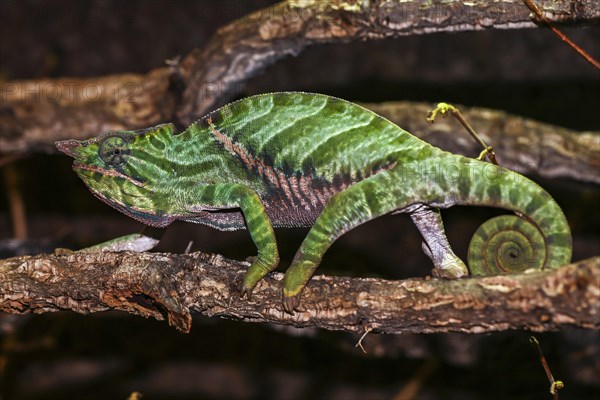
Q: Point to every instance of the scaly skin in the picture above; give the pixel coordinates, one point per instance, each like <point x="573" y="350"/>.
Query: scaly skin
<point x="300" y="159"/>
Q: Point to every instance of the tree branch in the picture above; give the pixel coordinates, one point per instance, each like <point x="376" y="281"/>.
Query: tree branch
<point x="35" y="113"/>
<point x="168" y="285"/>
<point x="242" y="49"/>
<point x="522" y="144"/>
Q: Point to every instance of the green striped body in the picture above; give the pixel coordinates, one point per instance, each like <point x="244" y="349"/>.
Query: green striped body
<point x="300" y="159"/>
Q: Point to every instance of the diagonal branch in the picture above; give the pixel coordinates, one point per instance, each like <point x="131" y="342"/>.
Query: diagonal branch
<point x="168" y="285"/>
<point x="242" y="49"/>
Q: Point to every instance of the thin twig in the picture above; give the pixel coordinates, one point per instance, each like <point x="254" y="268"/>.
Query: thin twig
<point x="554" y="385"/>
<point x="444" y="109"/>
<point x="359" y="344"/>
<point x="411" y="389"/>
<point x="541" y="17"/>
<point x="16" y="203"/>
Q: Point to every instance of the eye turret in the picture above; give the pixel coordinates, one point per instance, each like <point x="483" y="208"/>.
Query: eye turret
<point x="113" y="150"/>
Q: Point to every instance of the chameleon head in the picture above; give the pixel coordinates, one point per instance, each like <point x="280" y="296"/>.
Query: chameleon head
<point x="125" y="169"/>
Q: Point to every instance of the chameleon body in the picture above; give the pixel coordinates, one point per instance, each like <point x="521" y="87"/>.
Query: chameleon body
<point x="298" y="159"/>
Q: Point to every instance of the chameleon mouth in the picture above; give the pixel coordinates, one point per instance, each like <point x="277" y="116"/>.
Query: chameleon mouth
<point x="107" y="172"/>
<point x="68" y="147"/>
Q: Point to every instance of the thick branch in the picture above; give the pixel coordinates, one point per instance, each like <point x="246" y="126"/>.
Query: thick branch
<point x="522" y="144"/>
<point x="158" y="285"/>
<point x="33" y="114"/>
<point x="242" y="49"/>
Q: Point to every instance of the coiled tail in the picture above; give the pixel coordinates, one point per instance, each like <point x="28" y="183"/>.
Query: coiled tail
<point x="507" y="244"/>
<point x="537" y="236"/>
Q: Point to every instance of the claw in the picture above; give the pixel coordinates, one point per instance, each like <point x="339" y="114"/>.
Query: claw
<point x="451" y="267"/>
<point x="246" y="291"/>
<point x="291" y="303"/>
<point x="455" y="271"/>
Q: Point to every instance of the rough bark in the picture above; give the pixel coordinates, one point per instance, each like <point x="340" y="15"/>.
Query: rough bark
<point x="171" y="286"/>
<point x="521" y="144"/>
<point x="35" y="113"/>
<point x="241" y="50"/>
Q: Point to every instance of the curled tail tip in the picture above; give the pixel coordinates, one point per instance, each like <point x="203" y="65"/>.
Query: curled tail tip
<point x="512" y="244"/>
<point x="538" y="237"/>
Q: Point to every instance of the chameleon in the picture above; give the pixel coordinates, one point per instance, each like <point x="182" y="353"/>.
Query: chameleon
<point x="295" y="159"/>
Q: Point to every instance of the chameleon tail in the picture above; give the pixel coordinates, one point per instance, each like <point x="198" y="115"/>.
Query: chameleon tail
<point x="537" y="237"/>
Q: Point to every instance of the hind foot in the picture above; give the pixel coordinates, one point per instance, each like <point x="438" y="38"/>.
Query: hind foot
<point x="448" y="266"/>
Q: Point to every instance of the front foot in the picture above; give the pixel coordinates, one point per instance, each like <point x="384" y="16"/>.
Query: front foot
<point x="258" y="269"/>
<point x="290" y="302"/>
<point x="247" y="286"/>
<point x="294" y="281"/>
<point x="246" y="292"/>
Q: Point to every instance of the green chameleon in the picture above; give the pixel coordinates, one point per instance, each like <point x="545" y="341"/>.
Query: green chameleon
<point x="299" y="159"/>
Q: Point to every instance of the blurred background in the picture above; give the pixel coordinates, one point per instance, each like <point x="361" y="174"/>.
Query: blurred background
<point x="110" y="355"/>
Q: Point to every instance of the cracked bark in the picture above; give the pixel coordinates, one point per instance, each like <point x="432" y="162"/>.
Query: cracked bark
<point x="36" y="113"/>
<point x="172" y="286"/>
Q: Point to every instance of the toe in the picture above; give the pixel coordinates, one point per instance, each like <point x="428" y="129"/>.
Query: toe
<point x="290" y="303"/>
<point x="246" y="292"/>
<point x="451" y="267"/>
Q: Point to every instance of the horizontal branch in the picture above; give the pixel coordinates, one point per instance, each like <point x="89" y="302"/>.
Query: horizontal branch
<point x="168" y="285"/>
<point x="522" y="144"/>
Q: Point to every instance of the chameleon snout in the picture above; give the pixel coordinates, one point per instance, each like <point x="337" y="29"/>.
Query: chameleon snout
<point x="69" y="147"/>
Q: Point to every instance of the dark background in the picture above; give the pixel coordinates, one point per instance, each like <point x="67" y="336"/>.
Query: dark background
<point x="108" y="355"/>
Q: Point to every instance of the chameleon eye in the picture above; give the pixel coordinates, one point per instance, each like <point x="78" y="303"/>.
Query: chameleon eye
<point x="113" y="150"/>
